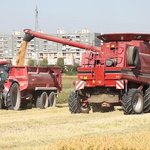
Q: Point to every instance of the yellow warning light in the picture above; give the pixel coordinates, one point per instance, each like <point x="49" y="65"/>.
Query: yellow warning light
<point x="85" y="77"/>
<point x="107" y="46"/>
<point x="93" y="81"/>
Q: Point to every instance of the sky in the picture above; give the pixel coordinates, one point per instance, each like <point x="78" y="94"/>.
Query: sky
<point x="101" y="16"/>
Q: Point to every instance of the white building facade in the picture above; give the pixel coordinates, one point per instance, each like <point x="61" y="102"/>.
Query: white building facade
<point x="39" y="49"/>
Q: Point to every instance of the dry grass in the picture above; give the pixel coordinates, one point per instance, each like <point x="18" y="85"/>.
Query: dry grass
<point x="56" y="128"/>
<point x="128" y="142"/>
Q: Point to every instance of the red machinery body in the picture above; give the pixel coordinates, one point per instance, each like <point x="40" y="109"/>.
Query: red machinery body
<point x="34" y="85"/>
<point x="96" y="72"/>
<point x="34" y="79"/>
<point x="118" y="72"/>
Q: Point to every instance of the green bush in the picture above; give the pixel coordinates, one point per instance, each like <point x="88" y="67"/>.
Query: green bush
<point x="43" y="62"/>
<point x="31" y="62"/>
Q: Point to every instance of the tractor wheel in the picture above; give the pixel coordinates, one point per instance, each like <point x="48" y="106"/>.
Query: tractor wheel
<point x="97" y="107"/>
<point x="133" y="102"/>
<point x="75" y="104"/>
<point x="52" y="99"/>
<point x="147" y="101"/>
<point x="1" y="103"/>
<point x="1" y="100"/>
<point x="42" y="101"/>
<point x="14" y="97"/>
<point x="132" y="56"/>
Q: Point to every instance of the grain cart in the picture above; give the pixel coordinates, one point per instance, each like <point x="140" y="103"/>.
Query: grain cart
<point x="117" y="73"/>
<point x="32" y="85"/>
<point x="22" y="85"/>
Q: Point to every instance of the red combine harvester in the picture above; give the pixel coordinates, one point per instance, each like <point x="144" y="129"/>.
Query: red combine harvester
<point x="117" y="73"/>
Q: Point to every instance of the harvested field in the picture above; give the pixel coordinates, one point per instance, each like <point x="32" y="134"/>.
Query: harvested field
<point x="56" y="128"/>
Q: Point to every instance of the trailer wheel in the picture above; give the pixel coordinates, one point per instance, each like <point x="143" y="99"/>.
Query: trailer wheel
<point x="132" y="56"/>
<point x="147" y="101"/>
<point x="52" y="99"/>
<point x="97" y="107"/>
<point x="14" y="97"/>
<point x="133" y="102"/>
<point x="75" y="106"/>
<point x="1" y="101"/>
<point x="42" y="101"/>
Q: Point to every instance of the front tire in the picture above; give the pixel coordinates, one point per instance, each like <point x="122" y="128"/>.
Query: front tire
<point x="14" y="97"/>
<point x="1" y="103"/>
<point x="147" y="101"/>
<point x="133" y="102"/>
<point x="75" y="104"/>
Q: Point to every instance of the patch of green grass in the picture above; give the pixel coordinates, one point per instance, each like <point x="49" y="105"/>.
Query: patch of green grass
<point x="67" y="82"/>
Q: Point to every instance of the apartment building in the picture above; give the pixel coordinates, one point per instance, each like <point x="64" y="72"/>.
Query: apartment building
<point x="39" y="49"/>
<point x="5" y="46"/>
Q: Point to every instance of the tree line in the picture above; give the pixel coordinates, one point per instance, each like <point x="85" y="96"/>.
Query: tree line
<point x="67" y="69"/>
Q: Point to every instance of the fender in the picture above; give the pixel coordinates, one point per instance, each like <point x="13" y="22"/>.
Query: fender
<point x="7" y="87"/>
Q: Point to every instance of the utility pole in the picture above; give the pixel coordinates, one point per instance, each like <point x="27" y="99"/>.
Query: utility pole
<point x="36" y="18"/>
<point x="36" y="45"/>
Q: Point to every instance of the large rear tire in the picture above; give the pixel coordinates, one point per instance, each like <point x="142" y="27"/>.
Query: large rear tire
<point x="14" y="97"/>
<point x="147" y="101"/>
<point x="42" y="101"/>
<point x="133" y="102"/>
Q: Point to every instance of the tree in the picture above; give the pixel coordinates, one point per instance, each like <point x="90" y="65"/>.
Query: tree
<point x="43" y="62"/>
<point x="31" y="62"/>
<point x="71" y="69"/>
<point x="60" y="63"/>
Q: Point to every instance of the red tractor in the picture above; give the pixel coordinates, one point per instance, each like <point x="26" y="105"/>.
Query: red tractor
<point x="117" y="73"/>
<point x="4" y="71"/>
<point x="23" y="85"/>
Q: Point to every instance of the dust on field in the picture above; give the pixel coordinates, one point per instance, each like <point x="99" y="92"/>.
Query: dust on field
<point x="56" y="128"/>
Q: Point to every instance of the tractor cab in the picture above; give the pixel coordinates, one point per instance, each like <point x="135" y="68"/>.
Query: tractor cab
<point x="4" y="70"/>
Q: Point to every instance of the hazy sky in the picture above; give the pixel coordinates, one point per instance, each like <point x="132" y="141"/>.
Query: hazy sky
<point x="101" y="16"/>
